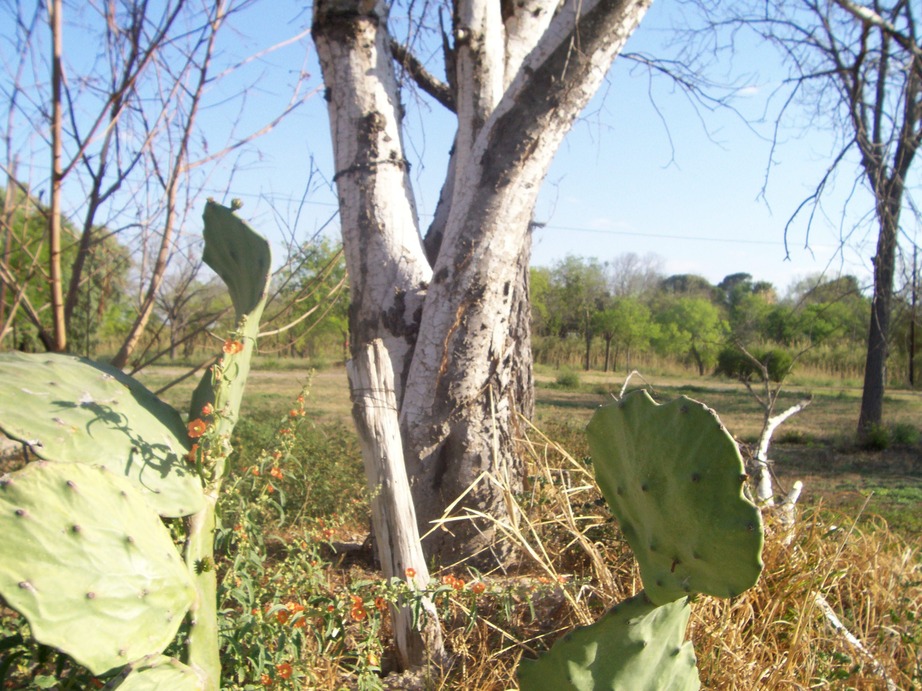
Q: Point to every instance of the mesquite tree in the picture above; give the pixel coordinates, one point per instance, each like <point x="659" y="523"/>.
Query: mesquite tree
<point x="451" y="307"/>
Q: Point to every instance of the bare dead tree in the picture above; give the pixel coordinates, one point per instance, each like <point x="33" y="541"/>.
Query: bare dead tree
<point x="134" y="158"/>
<point x="855" y="67"/>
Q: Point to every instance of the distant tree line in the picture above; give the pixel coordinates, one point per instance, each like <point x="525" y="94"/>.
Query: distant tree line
<point x="625" y="313"/>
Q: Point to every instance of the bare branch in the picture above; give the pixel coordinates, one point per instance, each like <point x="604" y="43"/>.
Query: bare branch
<point x="424" y="79"/>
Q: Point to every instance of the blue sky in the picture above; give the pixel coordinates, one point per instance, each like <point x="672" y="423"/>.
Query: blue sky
<point x="631" y="177"/>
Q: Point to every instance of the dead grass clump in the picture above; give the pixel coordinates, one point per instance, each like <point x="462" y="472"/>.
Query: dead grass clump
<point x="777" y="634"/>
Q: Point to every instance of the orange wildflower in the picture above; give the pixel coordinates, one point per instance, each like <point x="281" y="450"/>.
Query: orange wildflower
<point x="410" y="572"/>
<point x="283" y="670"/>
<point x="358" y="613"/>
<point x="478" y="587"/>
<point x="265" y="680"/>
<point x="232" y="347"/>
<point x="282" y="616"/>
<point x="254" y="470"/>
<point x="380" y="604"/>
<point x="270" y="489"/>
<point x="207" y="409"/>
<point x="197" y="428"/>
<point x="276" y="473"/>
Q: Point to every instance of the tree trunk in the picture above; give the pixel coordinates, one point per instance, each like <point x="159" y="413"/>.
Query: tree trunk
<point x="56" y="278"/>
<point x="875" y="368"/>
<point x="371" y="380"/>
<point x="452" y="321"/>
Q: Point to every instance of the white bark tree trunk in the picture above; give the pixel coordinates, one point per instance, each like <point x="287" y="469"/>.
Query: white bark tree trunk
<point x="451" y="322"/>
<point x="371" y="380"/>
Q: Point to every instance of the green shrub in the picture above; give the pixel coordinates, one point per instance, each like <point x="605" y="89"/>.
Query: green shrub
<point x="876" y="438"/>
<point x="568" y="379"/>
<point x="904" y="434"/>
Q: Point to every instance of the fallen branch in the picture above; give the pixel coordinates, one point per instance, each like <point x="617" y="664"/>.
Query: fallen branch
<point x="836" y="624"/>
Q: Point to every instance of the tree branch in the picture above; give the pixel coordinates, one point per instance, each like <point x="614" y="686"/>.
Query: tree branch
<point x="424" y="79"/>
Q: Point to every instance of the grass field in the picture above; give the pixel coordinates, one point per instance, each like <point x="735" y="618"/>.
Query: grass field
<point x="815" y="446"/>
<point x="297" y="543"/>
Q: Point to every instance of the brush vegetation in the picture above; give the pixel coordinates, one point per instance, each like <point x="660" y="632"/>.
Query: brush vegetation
<point x="304" y="606"/>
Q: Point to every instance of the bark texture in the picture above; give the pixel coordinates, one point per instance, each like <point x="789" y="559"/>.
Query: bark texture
<point x="371" y="380"/>
<point x="453" y="311"/>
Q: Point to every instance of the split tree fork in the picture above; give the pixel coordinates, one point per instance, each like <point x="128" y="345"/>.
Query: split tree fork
<point x="452" y="308"/>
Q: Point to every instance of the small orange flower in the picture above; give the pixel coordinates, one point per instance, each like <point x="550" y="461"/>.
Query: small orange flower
<point x="300" y="623"/>
<point x="410" y="572"/>
<point x="207" y="409"/>
<point x="197" y="428"/>
<point x="301" y="398"/>
<point x="284" y="670"/>
<point x="192" y="456"/>
<point x="254" y="470"/>
<point x="295" y="413"/>
<point x="232" y="347"/>
<point x="380" y="604"/>
<point x="295" y="607"/>
<point x="282" y="615"/>
<point x="276" y="473"/>
<point x="358" y="613"/>
<point x="265" y="680"/>
<point x="270" y="489"/>
<point x="276" y="455"/>
<point x="458" y="584"/>
<point x="478" y="587"/>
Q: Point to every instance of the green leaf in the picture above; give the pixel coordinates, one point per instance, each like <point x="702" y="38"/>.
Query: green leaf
<point x="89" y="564"/>
<point x="73" y="410"/>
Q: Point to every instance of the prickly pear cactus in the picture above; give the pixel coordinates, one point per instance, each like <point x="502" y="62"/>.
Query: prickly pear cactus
<point x="73" y="410"/>
<point x="635" y="646"/>
<point x="89" y="564"/>
<point x="158" y="673"/>
<point x="242" y="258"/>
<point x="673" y="476"/>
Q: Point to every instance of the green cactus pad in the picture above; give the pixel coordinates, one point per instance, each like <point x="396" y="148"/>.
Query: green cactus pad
<point x="635" y="646"/>
<point x="73" y="410"/>
<point x="242" y="258"/>
<point x="238" y="254"/>
<point x="673" y="476"/>
<point x="159" y="673"/>
<point x="89" y="564"/>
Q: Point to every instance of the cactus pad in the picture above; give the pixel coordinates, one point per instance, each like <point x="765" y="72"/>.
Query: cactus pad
<point x="673" y="476"/>
<point x="635" y="646"/>
<point x="89" y="564"/>
<point x="73" y="410"/>
<point x="239" y="255"/>
<point x="158" y="673"/>
<point x="242" y="258"/>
